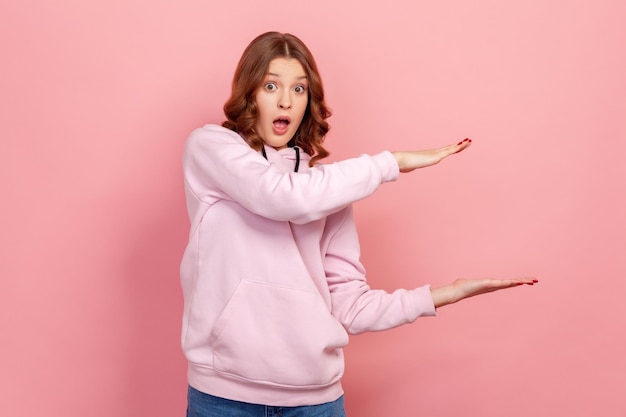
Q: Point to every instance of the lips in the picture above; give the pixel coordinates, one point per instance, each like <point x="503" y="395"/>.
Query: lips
<point x="281" y="125"/>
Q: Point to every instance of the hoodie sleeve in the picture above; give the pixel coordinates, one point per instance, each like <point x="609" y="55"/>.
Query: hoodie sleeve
<point x="358" y="307"/>
<point x="219" y="164"/>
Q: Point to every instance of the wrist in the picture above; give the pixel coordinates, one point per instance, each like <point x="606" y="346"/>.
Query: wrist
<point x="400" y="159"/>
<point x="443" y="295"/>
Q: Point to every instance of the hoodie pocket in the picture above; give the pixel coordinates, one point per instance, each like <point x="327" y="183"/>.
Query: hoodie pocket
<point x="278" y="336"/>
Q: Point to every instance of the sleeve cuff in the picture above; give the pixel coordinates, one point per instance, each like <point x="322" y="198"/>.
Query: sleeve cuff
<point x="423" y="302"/>
<point x="388" y="165"/>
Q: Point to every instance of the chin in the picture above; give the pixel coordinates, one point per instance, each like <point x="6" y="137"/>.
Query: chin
<point x="279" y="142"/>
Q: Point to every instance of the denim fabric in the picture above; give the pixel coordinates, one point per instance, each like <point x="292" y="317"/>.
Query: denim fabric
<point x="200" y="404"/>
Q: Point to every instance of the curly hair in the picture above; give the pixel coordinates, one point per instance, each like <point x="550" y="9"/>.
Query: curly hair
<point x="241" y="110"/>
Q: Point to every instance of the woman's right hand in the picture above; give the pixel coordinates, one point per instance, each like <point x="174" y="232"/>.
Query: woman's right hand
<point x="411" y="160"/>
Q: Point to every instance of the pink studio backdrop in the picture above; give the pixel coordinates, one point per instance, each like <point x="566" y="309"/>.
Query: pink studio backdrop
<point x="98" y="97"/>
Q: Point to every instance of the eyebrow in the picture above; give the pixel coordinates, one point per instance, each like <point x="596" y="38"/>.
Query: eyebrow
<point x="278" y="75"/>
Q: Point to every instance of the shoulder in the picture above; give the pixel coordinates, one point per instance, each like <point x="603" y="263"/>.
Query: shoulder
<point x="212" y="132"/>
<point x="214" y="139"/>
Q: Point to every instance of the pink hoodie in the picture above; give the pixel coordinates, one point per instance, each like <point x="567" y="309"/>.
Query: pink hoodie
<point x="271" y="276"/>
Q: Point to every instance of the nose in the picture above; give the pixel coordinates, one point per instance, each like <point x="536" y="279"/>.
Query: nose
<point x="284" y="101"/>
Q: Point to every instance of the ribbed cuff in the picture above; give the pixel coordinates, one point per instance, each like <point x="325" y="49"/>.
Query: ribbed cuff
<point x="388" y="165"/>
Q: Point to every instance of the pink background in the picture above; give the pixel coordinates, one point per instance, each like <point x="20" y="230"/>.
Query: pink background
<point x="97" y="98"/>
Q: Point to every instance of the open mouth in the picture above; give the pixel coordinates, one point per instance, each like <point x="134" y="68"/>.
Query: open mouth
<point x="281" y="125"/>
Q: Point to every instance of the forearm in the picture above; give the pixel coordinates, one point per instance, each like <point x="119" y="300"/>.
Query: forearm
<point x="443" y="295"/>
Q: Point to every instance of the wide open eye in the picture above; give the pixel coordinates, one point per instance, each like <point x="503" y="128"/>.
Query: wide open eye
<point x="270" y="86"/>
<point x="300" y="88"/>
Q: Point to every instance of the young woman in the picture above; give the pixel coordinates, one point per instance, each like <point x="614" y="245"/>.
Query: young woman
<point x="271" y="276"/>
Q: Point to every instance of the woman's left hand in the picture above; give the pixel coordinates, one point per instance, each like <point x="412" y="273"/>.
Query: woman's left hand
<point x="465" y="288"/>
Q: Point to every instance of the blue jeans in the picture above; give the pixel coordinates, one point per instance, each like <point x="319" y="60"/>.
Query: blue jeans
<point x="200" y="404"/>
